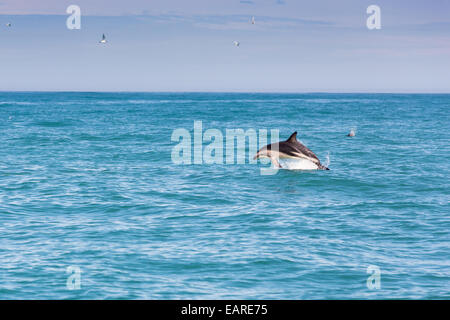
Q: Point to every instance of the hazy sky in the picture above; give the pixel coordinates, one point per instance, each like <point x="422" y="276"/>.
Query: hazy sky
<point x="187" y="45"/>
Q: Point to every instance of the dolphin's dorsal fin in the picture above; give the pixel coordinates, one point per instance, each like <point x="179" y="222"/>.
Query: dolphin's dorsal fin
<point x="293" y="137"/>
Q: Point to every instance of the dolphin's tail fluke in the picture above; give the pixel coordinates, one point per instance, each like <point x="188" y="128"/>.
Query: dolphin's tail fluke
<point x="322" y="167"/>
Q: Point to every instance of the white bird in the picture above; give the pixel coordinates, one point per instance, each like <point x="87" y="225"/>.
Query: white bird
<point x="352" y="133"/>
<point x="253" y="20"/>
<point x="103" y="39"/>
<point x="236" y="43"/>
<point x="8" y="24"/>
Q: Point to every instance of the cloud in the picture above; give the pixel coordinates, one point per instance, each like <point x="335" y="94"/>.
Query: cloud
<point x="237" y="22"/>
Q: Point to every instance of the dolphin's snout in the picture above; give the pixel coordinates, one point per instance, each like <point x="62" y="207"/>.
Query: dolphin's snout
<point x="261" y="154"/>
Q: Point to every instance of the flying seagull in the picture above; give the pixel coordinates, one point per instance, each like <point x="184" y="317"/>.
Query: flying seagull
<point x="8" y="24"/>
<point x="103" y="39"/>
<point x="253" y="20"/>
<point x="236" y="43"/>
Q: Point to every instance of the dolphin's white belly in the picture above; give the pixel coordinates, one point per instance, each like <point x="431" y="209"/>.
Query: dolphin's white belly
<point x="298" y="164"/>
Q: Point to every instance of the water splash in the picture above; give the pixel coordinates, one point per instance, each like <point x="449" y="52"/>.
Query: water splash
<point x="327" y="160"/>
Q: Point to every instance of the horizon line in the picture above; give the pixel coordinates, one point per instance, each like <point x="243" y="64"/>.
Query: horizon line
<point x="248" y="92"/>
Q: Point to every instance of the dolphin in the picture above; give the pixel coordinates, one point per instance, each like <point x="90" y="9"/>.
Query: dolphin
<point x="289" y="149"/>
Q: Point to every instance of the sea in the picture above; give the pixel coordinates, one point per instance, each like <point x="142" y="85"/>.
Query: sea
<point x="94" y="206"/>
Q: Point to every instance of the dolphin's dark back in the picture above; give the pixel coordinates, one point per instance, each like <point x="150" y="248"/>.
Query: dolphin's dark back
<point x="292" y="145"/>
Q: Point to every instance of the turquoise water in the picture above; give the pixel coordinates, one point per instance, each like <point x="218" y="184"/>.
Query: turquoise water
<point x="87" y="180"/>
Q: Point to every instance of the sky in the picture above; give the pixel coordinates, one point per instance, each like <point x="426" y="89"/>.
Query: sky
<point x="187" y="45"/>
